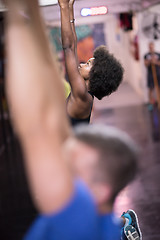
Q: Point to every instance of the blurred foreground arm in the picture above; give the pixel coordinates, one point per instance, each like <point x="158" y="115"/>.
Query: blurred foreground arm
<point x="36" y="101"/>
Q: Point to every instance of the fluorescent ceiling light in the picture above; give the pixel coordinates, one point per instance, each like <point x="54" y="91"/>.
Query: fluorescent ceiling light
<point x="94" y="11"/>
<point x="47" y="2"/>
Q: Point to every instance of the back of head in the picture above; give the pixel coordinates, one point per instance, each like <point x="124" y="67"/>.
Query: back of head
<point x="118" y="154"/>
<point x="106" y="73"/>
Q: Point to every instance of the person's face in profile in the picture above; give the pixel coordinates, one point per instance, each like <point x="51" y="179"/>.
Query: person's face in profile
<point x="84" y="68"/>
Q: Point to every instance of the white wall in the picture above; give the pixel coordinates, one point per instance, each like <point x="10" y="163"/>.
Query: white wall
<point x="135" y="72"/>
<point x="122" y="50"/>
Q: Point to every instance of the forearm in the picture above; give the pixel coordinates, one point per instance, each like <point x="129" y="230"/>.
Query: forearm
<point x="66" y="30"/>
<point x="77" y="83"/>
<point x="147" y="63"/>
<point x="158" y="63"/>
<point x="72" y="20"/>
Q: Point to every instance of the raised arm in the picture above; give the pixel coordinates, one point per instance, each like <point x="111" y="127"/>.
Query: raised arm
<point x="36" y="101"/>
<point x="77" y="83"/>
<point x="72" y="21"/>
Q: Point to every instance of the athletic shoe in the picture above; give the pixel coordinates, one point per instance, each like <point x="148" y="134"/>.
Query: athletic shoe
<point x="123" y="235"/>
<point x="133" y="221"/>
<point x="150" y="107"/>
<point x="131" y="233"/>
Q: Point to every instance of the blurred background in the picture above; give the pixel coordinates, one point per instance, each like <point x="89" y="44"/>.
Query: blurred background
<point x="126" y="27"/>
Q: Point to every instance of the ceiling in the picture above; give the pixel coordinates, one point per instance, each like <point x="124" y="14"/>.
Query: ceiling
<point x="114" y="6"/>
<point x="51" y="13"/>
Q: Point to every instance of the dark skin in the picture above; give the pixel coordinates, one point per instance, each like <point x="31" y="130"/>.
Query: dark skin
<point x="80" y="101"/>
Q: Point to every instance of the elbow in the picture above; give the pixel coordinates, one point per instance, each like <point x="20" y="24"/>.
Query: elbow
<point x="68" y="47"/>
<point x="68" y="44"/>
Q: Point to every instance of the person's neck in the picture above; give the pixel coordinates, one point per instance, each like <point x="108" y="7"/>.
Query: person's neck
<point x="105" y="208"/>
<point x="87" y="84"/>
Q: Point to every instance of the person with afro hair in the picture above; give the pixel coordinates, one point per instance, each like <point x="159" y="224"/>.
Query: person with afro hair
<point x="106" y="73"/>
<point x="99" y="76"/>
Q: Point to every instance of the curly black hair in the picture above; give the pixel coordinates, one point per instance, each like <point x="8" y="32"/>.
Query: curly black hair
<point x="106" y="73"/>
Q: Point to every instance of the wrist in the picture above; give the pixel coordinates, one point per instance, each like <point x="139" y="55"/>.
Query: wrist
<point x="71" y="5"/>
<point x="72" y="20"/>
<point x="64" y="5"/>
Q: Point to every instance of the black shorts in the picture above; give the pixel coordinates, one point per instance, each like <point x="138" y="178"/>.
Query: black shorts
<point x="150" y="82"/>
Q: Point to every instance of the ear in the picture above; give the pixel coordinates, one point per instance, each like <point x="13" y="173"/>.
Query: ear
<point x="102" y="192"/>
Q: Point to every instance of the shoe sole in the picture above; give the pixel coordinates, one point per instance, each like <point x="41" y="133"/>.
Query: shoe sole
<point x="131" y="233"/>
<point x="135" y="216"/>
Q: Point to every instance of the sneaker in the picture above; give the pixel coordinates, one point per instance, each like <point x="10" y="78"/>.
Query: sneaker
<point x="131" y="233"/>
<point x="133" y="221"/>
<point x="150" y="107"/>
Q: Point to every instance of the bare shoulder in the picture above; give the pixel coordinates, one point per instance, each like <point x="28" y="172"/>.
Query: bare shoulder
<point x="79" y="107"/>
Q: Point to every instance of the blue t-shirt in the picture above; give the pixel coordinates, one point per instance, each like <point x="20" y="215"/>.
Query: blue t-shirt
<point x="79" y="220"/>
<point x="110" y="227"/>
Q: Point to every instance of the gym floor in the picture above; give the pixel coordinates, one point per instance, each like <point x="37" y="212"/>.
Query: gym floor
<point x="124" y="110"/>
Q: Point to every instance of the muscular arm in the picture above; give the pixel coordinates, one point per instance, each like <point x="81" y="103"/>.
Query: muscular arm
<point x="72" y="19"/>
<point x="36" y="101"/>
<point x="78" y="85"/>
